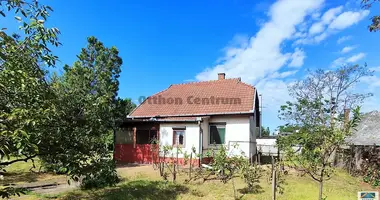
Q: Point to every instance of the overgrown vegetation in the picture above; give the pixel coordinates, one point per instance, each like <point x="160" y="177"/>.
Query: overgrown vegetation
<point x="370" y="167"/>
<point x="68" y="120"/>
<point x="320" y="112"/>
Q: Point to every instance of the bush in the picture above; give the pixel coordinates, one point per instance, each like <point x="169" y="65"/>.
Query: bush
<point x="56" y="168"/>
<point x="251" y="175"/>
<point x="101" y="175"/>
<point x="371" y="166"/>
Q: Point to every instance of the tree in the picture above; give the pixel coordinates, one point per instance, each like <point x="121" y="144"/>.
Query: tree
<point x="123" y="108"/>
<point x="375" y="26"/>
<point x="320" y="113"/>
<point x="265" y="131"/>
<point x="63" y="120"/>
<point x="25" y="94"/>
<point x="85" y="107"/>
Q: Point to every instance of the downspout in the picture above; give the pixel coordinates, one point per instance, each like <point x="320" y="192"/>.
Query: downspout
<point x="200" y="141"/>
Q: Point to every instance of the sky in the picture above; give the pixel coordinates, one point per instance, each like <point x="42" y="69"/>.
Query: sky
<point x="269" y="44"/>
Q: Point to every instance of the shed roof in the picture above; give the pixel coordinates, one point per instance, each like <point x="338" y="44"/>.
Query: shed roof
<point x="368" y="130"/>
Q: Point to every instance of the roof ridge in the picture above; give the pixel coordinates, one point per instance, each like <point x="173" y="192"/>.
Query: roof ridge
<point x="246" y="84"/>
<point x="209" y="81"/>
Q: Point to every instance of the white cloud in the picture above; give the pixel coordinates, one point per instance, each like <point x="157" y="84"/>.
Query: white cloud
<point x="348" y="19"/>
<point x="282" y="74"/>
<point x="327" y="17"/>
<point x="338" y="62"/>
<point x="376" y="69"/>
<point x="297" y="58"/>
<point x="332" y="21"/>
<point x="343" y="61"/>
<point x="315" y="15"/>
<point x="263" y="54"/>
<point x="372" y="81"/>
<point x="259" y="61"/>
<point x="277" y="94"/>
<point x="356" y="57"/>
<point x="343" y="39"/>
<point x="347" y="49"/>
<point x="331" y="14"/>
<point x="316" y="28"/>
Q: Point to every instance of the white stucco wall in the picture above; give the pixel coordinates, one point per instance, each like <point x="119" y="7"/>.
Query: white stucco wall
<point x="191" y="136"/>
<point x="237" y="132"/>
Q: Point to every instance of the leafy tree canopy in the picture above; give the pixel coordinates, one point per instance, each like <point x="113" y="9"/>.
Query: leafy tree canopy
<point x="265" y="131"/>
<point x="319" y="113"/>
<point x="66" y="119"/>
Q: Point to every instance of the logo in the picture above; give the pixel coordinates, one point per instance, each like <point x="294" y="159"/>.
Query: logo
<point x="368" y="195"/>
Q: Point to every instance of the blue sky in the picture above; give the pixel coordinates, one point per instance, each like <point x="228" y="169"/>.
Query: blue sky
<point x="267" y="43"/>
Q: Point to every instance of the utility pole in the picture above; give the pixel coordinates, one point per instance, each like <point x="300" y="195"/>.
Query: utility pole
<point x="261" y="114"/>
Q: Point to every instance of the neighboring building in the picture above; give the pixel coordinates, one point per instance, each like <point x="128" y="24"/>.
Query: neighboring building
<point x="367" y="133"/>
<point x="200" y="115"/>
<point x="267" y="146"/>
<point x="365" y="136"/>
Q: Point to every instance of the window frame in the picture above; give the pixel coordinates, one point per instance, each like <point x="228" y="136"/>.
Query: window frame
<point x="217" y="125"/>
<point x="175" y="130"/>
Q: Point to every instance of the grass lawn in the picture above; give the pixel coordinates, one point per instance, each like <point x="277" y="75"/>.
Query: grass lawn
<point x="22" y="172"/>
<point x="142" y="182"/>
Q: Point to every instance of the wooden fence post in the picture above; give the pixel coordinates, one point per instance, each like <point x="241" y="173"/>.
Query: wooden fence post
<point x="274" y="177"/>
<point x="191" y="164"/>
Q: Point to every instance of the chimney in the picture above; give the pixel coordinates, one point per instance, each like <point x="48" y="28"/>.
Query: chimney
<point x="221" y="76"/>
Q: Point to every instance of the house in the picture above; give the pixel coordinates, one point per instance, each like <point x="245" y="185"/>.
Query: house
<point x="196" y="115"/>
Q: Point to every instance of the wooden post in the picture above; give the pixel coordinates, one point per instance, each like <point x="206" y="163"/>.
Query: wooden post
<point x="174" y="169"/>
<point x="134" y="137"/>
<point x="191" y="164"/>
<point x="259" y="159"/>
<point x="272" y="167"/>
<point x="177" y="160"/>
<point x="159" y="165"/>
<point x="274" y="185"/>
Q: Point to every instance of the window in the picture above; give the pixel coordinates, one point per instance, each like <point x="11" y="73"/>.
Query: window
<point x="217" y="133"/>
<point x="179" y="137"/>
<point x="146" y="136"/>
<point x="142" y="136"/>
<point x="124" y="136"/>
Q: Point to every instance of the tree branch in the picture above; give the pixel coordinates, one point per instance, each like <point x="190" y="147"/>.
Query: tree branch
<point x="18" y="160"/>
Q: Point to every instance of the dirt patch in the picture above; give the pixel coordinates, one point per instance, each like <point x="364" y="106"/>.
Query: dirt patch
<point x="137" y="171"/>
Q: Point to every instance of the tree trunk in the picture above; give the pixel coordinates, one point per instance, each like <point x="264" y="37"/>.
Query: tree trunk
<point x="320" y="190"/>
<point x="321" y="182"/>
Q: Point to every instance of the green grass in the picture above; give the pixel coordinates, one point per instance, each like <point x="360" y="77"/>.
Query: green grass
<point x="145" y="183"/>
<point x="24" y="172"/>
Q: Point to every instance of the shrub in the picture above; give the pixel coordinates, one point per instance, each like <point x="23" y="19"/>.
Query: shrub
<point x="251" y="176"/>
<point x="371" y="166"/>
<point x="102" y="174"/>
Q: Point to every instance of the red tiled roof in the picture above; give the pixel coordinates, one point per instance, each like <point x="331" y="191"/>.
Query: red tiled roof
<point x="208" y="97"/>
